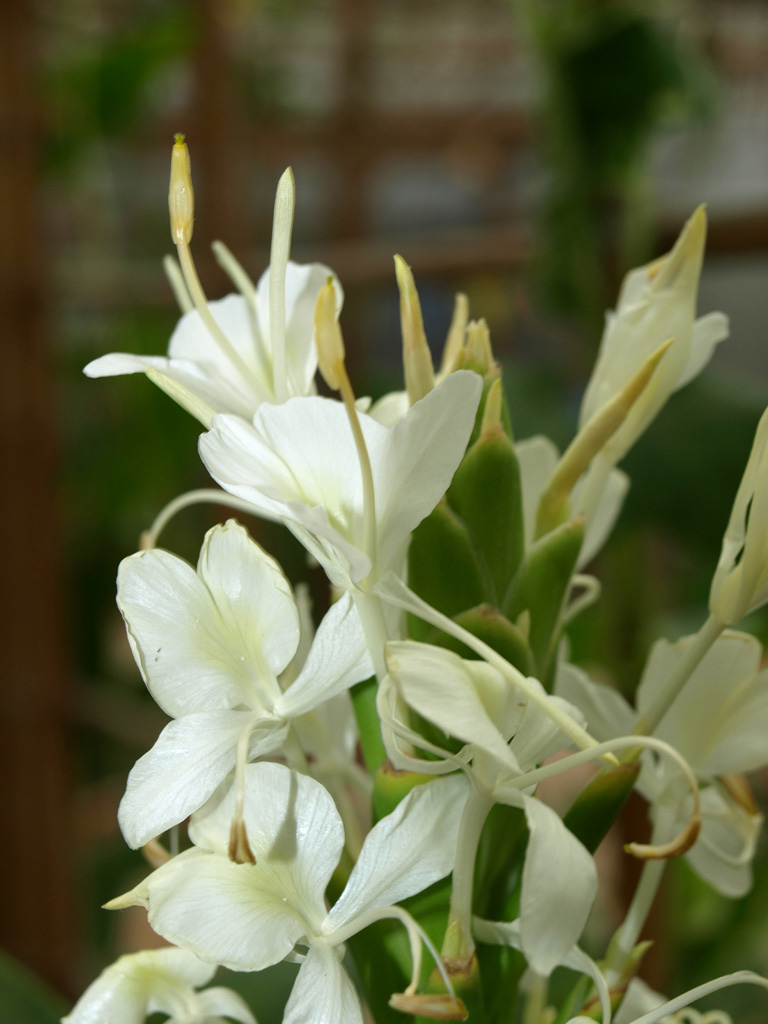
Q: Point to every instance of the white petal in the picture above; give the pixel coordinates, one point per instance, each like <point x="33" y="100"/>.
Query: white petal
<point x="293" y="828"/>
<point x="537" y="457"/>
<point x="252" y="596"/>
<point x="338" y="659"/>
<point x="710" y="719"/>
<point x="607" y="509"/>
<point x="558" y="888"/>
<point x="230" y="914"/>
<point x="118" y="363"/>
<point x="422" y="453"/>
<point x="223" y="1002"/>
<point x="639" y="998"/>
<point x="538" y="736"/>
<point x="723" y="853"/>
<point x="323" y="992"/>
<point x="190" y="759"/>
<point x="176" y="635"/>
<point x="441" y="686"/>
<point x="607" y="713"/>
<point x="708" y="331"/>
<point x="405" y="852"/>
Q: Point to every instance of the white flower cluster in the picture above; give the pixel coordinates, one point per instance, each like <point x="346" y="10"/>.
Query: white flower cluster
<point x="455" y="557"/>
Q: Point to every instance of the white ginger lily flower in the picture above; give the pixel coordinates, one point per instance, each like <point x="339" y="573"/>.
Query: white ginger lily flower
<point x="198" y="363"/>
<point x="740" y="583"/>
<point x="248" y="916"/>
<point x="212" y="646"/>
<point x="505" y="736"/>
<point x="718" y="723"/>
<point x="298" y="463"/>
<point x="158" y="981"/>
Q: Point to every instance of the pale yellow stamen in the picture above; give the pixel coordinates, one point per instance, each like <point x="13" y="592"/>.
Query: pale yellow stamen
<point x="330" y="359"/>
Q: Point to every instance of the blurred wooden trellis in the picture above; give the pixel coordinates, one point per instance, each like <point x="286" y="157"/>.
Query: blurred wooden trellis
<point x="442" y="85"/>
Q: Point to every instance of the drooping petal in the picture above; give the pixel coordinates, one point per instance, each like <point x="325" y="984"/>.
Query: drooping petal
<point x="252" y="596"/>
<point x="722" y="855"/>
<point x="422" y="453"/>
<point x="440" y="686"/>
<point x="293" y="828"/>
<point x="405" y="852"/>
<point x="558" y="887"/>
<point x="323" y="992"/>
<point x="191" y="758"/>
<point x="338" y="659"/>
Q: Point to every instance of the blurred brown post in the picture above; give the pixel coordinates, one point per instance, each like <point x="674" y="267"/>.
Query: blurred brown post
<point x="36" y="904"/>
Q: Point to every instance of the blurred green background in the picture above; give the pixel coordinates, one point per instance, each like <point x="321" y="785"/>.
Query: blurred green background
<point x="526" y="153"/>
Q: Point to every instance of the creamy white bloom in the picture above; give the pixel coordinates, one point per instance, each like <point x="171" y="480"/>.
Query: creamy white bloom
<point x="212" y="645"/>
<point x="505" y="736"/>
<point x="298" y="463"/>
<point x="248" y="916"/>
<point x="718" y="723"/>
<point x="158" y="981"/>
<point x="198" y="363"/>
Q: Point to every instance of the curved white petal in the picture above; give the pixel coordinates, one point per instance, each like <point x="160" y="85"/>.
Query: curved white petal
<point x="252" y="596"/>
<point x="338" y="659"/>
<point x="405" y="852"/>
<point x="723" y="852"/>
<point x="538" y="736"/>
<point x="441" y="686"/>
<point x="323" y="992"/>
<point x="191" y="758"/>
<point x="606" y="512"/>
<point x="708" y="331"/>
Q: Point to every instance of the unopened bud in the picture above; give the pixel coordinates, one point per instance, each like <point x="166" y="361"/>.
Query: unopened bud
<point x="417" y="359"/>
<point x="181" y="198"/>
<point x="457" y="332"/>
<point x="328" y="339"/>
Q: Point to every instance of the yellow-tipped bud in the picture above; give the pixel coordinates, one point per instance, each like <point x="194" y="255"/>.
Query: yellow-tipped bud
<point x="417" y="359"/>
<point x="457" y="332"/>
<point x="328" y="339"/>
<point x="181" y="198"/>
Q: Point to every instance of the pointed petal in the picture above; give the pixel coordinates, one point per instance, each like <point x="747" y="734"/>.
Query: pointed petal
<point x="422" y="453"/>
<point x="405" y="852"/>
<point x="252" y="596"/>
<point x="338" y="659"/>
<point x="190" y="759"/>
<point x="230" y="914"/>
<point x="440" y="686"/>
<point x="323" y="992"/>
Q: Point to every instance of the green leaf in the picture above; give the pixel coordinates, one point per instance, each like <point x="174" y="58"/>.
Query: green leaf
<point x="25" y="998"/>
